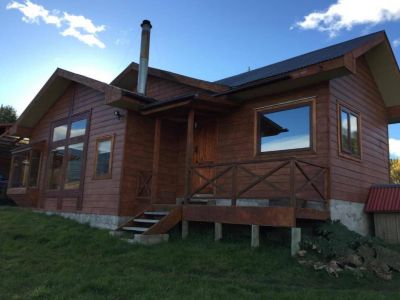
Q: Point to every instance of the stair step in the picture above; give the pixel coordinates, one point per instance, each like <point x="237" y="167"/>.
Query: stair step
<point x="153" y="221"/>
<point x="139" y="229"/>
<point x="156" y="213"/>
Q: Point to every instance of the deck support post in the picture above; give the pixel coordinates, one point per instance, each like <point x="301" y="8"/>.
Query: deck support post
<point x="156" y="160"/>
<point x="255" y="236"/>
<point x="295" y="240"/>
<point x="189" y="155"/>
<point x="185" y="229"/>
<point x="218" y="231"/>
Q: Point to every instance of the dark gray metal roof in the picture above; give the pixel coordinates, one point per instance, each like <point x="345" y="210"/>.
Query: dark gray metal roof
<point x="298" y="62"/>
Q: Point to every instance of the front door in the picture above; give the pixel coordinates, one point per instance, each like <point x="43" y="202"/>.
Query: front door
<point x="204" y="143"/>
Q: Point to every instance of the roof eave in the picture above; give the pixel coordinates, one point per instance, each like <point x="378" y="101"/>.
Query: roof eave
<point x="312" y="74"/>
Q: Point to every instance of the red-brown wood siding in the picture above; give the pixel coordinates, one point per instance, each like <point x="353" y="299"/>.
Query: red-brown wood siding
<point x="99" y="196"/>
<point x="351" y="180"/>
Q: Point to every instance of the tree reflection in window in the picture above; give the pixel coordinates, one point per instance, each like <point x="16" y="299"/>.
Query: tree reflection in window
<point x="56" y="163"/>
<point x="103" y="157"/>
<point x="349" y="132"/>
<point x="74" y="166"/>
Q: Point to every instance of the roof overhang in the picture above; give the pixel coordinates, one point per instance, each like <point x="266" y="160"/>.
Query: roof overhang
<point x="385" y="70"/>
<point x="127" y="79"/>
<point x="379" y="56"/>
<point x="56" y="86"/>
<point x="310" y="75"/>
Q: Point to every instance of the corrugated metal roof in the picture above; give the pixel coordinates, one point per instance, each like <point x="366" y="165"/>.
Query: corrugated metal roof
<point x="384" y="198"/>
<point x="298" y="62"/>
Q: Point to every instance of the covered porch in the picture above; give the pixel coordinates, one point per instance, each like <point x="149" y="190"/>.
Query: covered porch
<point x="261" y="192"/>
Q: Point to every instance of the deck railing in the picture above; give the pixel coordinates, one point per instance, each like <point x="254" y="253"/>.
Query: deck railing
<point x="294" y="182"/>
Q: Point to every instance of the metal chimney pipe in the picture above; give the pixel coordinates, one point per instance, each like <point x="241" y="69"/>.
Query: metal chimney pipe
<point x="144" y="57"/>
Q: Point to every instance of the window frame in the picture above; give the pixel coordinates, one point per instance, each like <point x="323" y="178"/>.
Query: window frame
<point x="37" y="146"/>
<point x="282" y="106"/>
<point x="351" y="112"/>
<point x="65" y="143"/>
<point x="109" y="173"/>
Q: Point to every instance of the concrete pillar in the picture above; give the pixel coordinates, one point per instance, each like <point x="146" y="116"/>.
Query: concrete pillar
<point x="295" y="241"/>
<point x="218" y="231"/>
<point x="255" y="236"/>
<point x="185" y="229"/>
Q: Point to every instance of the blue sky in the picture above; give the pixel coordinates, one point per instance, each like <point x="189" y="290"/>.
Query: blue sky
<point x="206" y="39"/>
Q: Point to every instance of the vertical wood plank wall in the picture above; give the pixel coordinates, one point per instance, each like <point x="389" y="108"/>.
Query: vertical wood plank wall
<point x="99" y="196"/>
<point x="351" y="179"/>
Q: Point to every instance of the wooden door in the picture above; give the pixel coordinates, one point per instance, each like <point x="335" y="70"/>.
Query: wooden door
<point x="204" y="143"/>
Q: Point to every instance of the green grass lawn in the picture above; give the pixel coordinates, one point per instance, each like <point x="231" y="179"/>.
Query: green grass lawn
<point x="44" y="257"/>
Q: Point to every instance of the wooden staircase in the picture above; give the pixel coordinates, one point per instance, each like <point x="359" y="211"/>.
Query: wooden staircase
<point x="153" y="221"/>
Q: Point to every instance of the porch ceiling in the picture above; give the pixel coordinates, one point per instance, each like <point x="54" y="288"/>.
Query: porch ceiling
<point x="180" y="106"/>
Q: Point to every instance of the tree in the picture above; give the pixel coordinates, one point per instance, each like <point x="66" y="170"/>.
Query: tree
<point x="395" y="171"/>
<point x="8" y="114"/>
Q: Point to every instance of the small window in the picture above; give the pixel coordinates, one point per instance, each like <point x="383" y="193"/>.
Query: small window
<point x="78" y="128"/>
<point x="103" y="159"/>
<point x="349" y="132"/>
<point x="286" y="129"/>
<point x="60" y="133"/>
<point x="56" y="162"/>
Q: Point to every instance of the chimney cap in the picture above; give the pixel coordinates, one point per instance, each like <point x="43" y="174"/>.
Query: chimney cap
<point x="146" y="23"/>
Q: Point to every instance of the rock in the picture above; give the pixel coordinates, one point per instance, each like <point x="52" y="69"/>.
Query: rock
<point x="305" y="262"/>
<point x="333" y="268"/>
<point x="302" y="253"/>
<point x="380" y="269"/>
<point x="389" y="257"/>
<point x="352" y="260"/>
<point x="366" y="252"/>
<point x="319" y="265"/>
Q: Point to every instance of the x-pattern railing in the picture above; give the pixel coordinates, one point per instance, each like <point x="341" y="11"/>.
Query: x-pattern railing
<point x="234" y="168"/>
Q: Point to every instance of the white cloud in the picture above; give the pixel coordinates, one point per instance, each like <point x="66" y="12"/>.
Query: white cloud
<point x="345" y="14"/>
<point x="79" y="27"/>
<point x="33" y="13"/>
<point x="394" y="148"/>
<point x="396" y="42"/>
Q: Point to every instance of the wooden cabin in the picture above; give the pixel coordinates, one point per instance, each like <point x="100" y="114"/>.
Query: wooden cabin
<point x="302" y="139"/>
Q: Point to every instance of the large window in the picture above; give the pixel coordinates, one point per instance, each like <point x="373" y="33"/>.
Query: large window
<point x="68" y="142"/>
<point x="284" y="128"/>
<point x="103" y="158"/>
<point x="349" y="126"/>
<point x="25" y="168"/>
<point x="20" y="170"/>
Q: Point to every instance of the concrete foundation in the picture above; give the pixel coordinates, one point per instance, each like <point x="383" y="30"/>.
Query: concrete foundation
<point x="185" y="229"/>
<point x="255" y="236"/>
<point x="99" y="221"/>
<point x="352" y="215"/>
<point x="218" y="231"/>
<point x="295" y="240"/>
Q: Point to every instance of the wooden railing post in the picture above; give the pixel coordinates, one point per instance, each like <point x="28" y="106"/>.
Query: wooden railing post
<point x="292" y="183"/>
<point x="234" y="184"/>
<point x="189" y="155"/>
